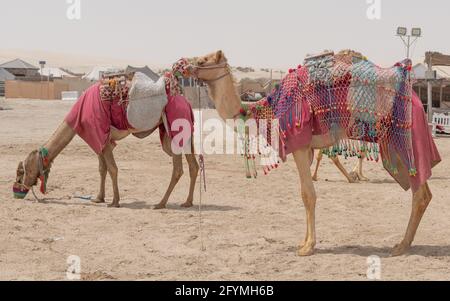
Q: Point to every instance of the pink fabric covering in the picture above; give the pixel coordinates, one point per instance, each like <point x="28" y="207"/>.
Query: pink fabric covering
<point x="178" y="107"/>
<point x="426" y="154"/>
<point x="91" y="118"/>
<point x="297" y="138"/>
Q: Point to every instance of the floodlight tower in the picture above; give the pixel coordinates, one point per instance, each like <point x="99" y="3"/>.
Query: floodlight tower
<point x="402" y="32"/>
<point x="42" y="64"/>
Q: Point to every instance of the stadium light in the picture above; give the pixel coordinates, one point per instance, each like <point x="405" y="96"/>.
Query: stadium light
<point x="416" y="32"/>
<point x="402" y="32"/>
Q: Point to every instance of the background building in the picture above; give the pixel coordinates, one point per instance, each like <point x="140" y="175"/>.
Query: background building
<point x="21" y="69"/>
<point x="146" y="70"/>
<point x="441" y="86"/>
<point x="4" y="76"/>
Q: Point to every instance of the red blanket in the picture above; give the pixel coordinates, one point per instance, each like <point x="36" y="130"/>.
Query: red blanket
<point x="91" y="118"/>
<point x="178" y="108"/>
<point x="426" y="154"/>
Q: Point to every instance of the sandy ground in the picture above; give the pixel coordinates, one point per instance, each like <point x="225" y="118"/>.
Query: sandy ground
<point x="250" y="231"/>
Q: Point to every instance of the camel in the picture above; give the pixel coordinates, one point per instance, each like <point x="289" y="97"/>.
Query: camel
<point x="38" y="163"/>
<point x="354" y="176"/>
<point x="214" y="70"/>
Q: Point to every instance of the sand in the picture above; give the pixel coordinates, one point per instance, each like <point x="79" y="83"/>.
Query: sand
<point x="250" y="230"/>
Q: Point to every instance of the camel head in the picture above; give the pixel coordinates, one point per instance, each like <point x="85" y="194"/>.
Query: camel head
<point x="209" y="67"/>
<point x="214" y="70"/>
<point x="34" y="167"/>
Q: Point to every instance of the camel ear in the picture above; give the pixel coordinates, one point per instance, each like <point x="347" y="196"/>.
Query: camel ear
<point x="20" y="170"/>
<point x="219" y="56"/>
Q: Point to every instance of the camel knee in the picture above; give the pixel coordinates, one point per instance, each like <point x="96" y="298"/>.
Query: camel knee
<point x="194" y="169"/>
<point x="178" y="173"/>
<point x="422" y="199"/>
<point x="309" y="199"/>
<point x="113" y="171"/>
<point x="423" y="203"/>
<point x="309" y="196"/>
<point x="429" y="195"/>
<point x="102" y="169"/>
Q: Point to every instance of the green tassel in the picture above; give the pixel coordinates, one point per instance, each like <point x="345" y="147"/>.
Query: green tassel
<point x="44" y="152"/>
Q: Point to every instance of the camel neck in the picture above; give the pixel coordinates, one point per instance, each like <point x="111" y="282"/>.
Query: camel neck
<point x="59" y="140"/>
<point x="225" y="97"/>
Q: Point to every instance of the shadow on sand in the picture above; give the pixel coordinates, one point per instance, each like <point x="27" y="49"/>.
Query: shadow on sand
<point x="385" y="252"/>
<point x="383" y="181"/>
<point x="139" y="205"/>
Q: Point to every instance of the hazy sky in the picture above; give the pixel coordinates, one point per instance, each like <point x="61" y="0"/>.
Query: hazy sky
<point x="262" y="33"/>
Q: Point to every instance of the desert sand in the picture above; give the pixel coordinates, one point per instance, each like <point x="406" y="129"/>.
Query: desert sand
<point x="250" y="229"/>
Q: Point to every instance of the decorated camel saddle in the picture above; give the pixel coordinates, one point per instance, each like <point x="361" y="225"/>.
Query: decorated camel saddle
<point x="122" y="104"/>
<point x="143" y="99"/>
<point x="356" y="105"/>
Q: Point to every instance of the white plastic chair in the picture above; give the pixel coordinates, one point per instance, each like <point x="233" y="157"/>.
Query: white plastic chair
<point x="440" y="119"/>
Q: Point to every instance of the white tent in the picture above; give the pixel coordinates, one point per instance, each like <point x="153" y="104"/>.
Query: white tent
<point x="96" y="73"/>
<point x="54" y="72"/>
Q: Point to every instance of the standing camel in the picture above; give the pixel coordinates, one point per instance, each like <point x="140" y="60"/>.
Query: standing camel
<point x="352" y="177"/>
<point x="101" y="138"/>
<point x="214" y="70"/>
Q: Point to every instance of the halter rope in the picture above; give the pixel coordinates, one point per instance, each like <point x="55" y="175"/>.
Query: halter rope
<point x="202" y="171"/>
<point x="21" y="189"/>
<point x="243" y="114"/>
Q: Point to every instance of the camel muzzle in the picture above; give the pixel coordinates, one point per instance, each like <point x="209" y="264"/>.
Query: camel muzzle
<point x="19" y="191"/>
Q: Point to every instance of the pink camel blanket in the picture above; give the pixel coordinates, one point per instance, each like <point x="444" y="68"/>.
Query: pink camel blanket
<point x="177" y="108"/>
<point x="426" y="154"/>
<point x="91" y="118"/>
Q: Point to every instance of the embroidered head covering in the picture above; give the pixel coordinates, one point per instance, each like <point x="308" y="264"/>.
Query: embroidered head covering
<point x="179" y="69"/>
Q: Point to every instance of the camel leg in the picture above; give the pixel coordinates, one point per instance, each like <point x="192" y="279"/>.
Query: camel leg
<point x="193" y="173"/>
<point x="103" y="171"/>
<point x="177" y="173"/>
<point x="358" y="168"/>
<point x="316" y="171"/>
<point x="113" y="171"/>
<point x="420" y="202"/>
<point x="351" y="178"/>
<point x="303" y="161"/>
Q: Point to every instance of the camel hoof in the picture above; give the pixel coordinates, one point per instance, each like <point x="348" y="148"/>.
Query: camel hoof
<point x="187" y="205"/>
<point x="314" y="178"/>
<point x="159" y="207"/>
<point x="98" y="201"/>
<point x="363" y="178"/>
<point x="114" y="205"/>
<point x="306" y="251"/>
<point x="400" y="250"/>
<point x="353" y="178"/>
